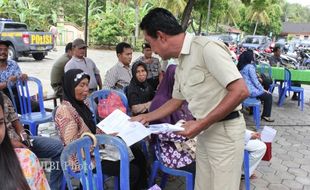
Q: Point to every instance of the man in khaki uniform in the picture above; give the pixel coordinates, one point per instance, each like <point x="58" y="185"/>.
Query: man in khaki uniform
<point x="207" y="78"/>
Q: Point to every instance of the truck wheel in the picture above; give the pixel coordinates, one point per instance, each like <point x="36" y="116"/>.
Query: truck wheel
<point x="38" y="56"/>
<point x="12" y="53"/>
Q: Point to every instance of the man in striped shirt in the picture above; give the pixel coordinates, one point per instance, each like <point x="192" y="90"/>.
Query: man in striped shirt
<point x="119" y="75"/>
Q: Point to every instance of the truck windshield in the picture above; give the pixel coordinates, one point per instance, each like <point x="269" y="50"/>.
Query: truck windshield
<point x="15" y="26"/>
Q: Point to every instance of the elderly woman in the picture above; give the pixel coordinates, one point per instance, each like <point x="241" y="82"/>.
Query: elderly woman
<point x="73" y="118"/>
<point x="248" y="72"/>
<point x="139" y="93"/>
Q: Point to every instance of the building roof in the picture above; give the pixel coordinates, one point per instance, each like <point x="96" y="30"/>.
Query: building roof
<point x="230" y="29"/>
<point x="295" y="28"/>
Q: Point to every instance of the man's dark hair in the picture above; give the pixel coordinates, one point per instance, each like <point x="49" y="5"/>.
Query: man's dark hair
<point x="6" y="43"/>
<point x="160" y="19"/>
<point x="276" y="48"/>
<point x="121" y="46"/>
<point x="146" y="45"/>
<point x="68" y="47"/>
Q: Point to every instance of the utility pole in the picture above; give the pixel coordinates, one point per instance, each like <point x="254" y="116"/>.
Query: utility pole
<point x="208" y="17"/>
<point x="86" y="25"/>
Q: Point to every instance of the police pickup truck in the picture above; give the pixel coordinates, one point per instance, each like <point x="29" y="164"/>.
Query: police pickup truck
<point x="24" y="42"/>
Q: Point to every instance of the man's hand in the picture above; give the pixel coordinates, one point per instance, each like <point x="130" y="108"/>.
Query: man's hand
<point x="192" y="129"/>
<point x="12" y="78"/>
<point x="17" y="144"/>
<point x="142" y="118"/>
<point x="23" y="77"/>
<point x="255" y="135"/>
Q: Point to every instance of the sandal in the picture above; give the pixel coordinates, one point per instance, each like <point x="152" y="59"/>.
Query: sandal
<point x="267" y="119"/>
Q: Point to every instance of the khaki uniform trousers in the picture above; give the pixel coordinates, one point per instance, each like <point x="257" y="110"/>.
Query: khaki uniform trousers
<point x="219" y="155"/>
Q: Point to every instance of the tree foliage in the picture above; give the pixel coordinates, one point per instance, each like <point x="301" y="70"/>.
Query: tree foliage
<point x="113" y="20"/>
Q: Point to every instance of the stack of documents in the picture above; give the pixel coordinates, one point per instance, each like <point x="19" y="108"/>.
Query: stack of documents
<point x="132" y="132"/>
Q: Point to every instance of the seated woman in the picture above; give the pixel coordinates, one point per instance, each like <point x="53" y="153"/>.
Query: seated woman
<point x="73" y="118"/>
<point x="248" y="72"/>
<point x="20" y="169"/>
<point x="172" y="144"/>
<point x="139" y="92"/>
<point x="256" y="149"/>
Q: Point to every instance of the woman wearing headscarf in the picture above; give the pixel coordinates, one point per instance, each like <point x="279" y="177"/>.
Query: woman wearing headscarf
<point x="73" y="118"/>
<point x="139" y="92"/>
<point x="176" y="151"/>
<point x="248" y="72"/>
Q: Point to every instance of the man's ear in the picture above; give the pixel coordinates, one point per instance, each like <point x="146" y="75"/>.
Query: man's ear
<point x="161" y="36"/>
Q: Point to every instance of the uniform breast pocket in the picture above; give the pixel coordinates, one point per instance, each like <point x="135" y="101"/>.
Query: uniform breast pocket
<point x="194" y="84"/>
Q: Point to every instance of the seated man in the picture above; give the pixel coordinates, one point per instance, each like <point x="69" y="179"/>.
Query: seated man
<point x="119" y="76"/>
<point x="256" y="149"/>
<point x="43" y="147"/>
<point x="58" y="70"/>
<point x="10" y="72"/>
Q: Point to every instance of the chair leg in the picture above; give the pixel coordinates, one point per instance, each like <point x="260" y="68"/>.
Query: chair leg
<point x="302" y="100"/>
<point x="153" y="175"/>
<point x="189" y="182"/>
<point x="256" y="116"/>
<point x="164" y="179"/>
<point x="33" y="129"/>
<point x="282" y="97"/>
<point x="246" y="166"/>
<point x="116" y="183"/>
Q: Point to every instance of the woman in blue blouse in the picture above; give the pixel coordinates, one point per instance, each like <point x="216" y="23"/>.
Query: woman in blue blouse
<point x="248" y="72"/>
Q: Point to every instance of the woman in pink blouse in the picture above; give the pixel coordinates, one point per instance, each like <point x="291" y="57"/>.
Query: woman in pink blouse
<point x="20" y="169"/>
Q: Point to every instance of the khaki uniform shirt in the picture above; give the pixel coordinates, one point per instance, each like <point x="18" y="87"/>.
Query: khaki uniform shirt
<point x="204" y="71"/>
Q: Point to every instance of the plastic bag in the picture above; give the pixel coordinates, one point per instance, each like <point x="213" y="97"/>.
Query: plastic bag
<point x="108" y="105"/>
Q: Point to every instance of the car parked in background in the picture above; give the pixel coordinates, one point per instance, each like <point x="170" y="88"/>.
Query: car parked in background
<point x="24" y="42"/>
<point x="259" y="43"/>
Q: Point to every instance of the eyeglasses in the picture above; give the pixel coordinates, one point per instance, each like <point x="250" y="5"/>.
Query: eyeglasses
<point x="79" y="76"/>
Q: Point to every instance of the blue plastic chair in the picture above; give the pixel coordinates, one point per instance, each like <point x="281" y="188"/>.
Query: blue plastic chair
<point x="266" y="69"/>
<point x="33" y="119"/>
<point x="86" y="174"/>
<point x="157" y="164"/>
<point x="246" y="167"/>
<point x="287" y="87"/>
<point x="92" y="179"/>
<point x="255" y="103"/>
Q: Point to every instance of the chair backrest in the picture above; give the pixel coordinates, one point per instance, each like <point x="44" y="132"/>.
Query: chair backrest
<point x="81" y="148"/>
<point x="124" y="158"/>
<point x="24" y="95"/>
<point x="265" y="68"/>
<point x="96" y="96"/>
<point x="287" y="78"/>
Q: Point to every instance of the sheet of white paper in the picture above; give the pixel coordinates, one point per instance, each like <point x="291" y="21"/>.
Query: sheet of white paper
<point x="115" y="122"/>
<point x="134" y="133"/>
<point x="165" y="127"/>
<point x="118" y="122"/>
<point x="268" y="134"/>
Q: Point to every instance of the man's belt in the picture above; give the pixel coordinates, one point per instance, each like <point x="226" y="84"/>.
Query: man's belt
<point x="232" y="115"/>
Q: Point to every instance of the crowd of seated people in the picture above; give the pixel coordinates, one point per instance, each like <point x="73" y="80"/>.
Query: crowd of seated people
<point x="73" y="118"/>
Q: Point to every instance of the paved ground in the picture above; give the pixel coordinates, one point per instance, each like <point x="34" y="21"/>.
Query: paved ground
<point x="289" y="168"/>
